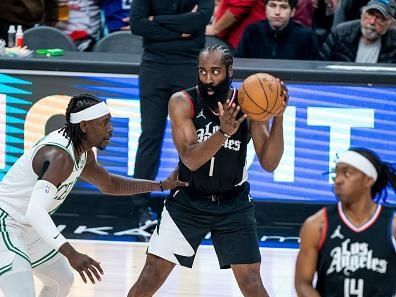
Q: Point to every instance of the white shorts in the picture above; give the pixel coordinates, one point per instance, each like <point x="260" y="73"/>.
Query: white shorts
<point x="22" y="240"/>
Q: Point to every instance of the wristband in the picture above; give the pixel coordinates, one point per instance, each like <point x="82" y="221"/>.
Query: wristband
<point x="225" y="134"/>
<point x="161" y="186"/>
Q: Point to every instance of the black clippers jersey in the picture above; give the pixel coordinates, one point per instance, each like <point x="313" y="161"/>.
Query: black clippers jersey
<point x="358" y="261"/>
<point x="226" y="168"/>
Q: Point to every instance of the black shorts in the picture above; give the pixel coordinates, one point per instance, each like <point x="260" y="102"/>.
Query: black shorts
<point x="188" y="218"/>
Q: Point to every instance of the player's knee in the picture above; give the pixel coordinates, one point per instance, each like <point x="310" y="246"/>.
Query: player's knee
<point x="151" y="274"/>
<point x="250" y="281"/>
<point x="58" y="287"/>
<point x="57" y="284"/>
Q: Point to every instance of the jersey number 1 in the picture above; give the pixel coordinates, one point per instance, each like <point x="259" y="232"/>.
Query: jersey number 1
<point x="211" y="168"/>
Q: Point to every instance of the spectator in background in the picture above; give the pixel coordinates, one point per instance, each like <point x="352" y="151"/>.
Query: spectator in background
<point x="173" y="35"/>
<point x="81" y="21"/>
<point x="278" y="37"/>
<point x="27" y="13"/>
<point x="116" y="14"/>
<point x="368" y="40"/>
<point x="233" y="16"/>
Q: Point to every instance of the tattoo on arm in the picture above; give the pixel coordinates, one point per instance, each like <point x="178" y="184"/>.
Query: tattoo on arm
<point x="127" y="186"/>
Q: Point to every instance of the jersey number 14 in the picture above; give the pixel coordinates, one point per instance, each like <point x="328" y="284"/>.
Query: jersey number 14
<point x="353" y="287"/>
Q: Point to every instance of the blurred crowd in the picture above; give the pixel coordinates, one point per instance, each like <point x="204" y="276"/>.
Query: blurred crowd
<point x="335" y="30"/>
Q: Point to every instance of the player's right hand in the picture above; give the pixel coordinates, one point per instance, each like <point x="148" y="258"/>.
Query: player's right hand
<point x="85" y="265"/>
<point x="228" y="117"/>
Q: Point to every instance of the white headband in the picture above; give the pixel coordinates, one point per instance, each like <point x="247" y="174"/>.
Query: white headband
<point x="90" y="113"/>
<point x="359" y="162"/>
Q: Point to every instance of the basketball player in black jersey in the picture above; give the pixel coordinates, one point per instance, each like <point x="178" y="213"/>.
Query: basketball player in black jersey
<point x="211" y="136"/>
<point x="352" y="245"/>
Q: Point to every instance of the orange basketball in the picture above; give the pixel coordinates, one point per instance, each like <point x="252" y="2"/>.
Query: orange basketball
<point x="260" y="96"/>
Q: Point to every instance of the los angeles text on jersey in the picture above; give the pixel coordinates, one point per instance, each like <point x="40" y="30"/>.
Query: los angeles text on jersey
<point x="205" y="133"/>
<point x="350" y="257"/>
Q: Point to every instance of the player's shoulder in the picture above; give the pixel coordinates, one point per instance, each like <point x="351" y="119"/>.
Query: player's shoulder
<point x="313" y="230"/>
<point x="316" y="221"/>
<point x="181" y="101"/>
<point x="183" y="94"/>
<point x="54" y="154"/>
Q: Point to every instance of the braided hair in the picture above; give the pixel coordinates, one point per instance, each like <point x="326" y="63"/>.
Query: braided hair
<point x="227" y="59"/>
<point x="73" y="131"/>
<point x="386" y="174"/>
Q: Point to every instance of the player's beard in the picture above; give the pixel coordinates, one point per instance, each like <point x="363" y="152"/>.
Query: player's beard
<point x="220" y="92"/>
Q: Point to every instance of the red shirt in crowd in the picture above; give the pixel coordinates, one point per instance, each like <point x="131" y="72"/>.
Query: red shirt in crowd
<point x="246" y="11"/>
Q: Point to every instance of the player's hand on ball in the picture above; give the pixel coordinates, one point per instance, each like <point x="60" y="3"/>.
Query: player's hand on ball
<point x="285" y="94"/>
<point x="228" y="117"/>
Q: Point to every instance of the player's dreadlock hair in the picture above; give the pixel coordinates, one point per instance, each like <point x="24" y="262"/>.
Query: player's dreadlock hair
<point x="227" y="59"/>
<point x="73" y="131"/>
<point x="386" y="174"/>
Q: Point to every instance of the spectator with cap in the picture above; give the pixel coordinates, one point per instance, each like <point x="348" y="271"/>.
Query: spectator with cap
<point x="372" y="39"/>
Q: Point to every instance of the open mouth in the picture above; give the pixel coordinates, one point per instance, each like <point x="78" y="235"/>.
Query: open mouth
<point x="211" y="92"/>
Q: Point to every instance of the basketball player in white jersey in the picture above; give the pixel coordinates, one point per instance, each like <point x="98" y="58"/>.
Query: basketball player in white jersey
<point x="38" y="183"/>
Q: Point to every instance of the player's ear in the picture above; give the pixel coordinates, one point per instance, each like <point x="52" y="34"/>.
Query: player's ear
<point x="369" y="182"/>
<point x="230" y="71"/>
<point x="83" y="126"/>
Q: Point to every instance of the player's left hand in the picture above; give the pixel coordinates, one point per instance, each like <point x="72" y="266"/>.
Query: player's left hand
<point x="172" y="181"/>
<point x="285" y="94"/>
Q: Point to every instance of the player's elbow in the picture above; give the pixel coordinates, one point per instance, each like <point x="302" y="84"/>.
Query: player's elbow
<point x="190" y="163"/>
<point x="302" y="287"/>
<point x="269" y="166"/>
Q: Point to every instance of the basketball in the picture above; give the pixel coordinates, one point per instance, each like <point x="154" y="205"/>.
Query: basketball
<point x="260" y="96"/>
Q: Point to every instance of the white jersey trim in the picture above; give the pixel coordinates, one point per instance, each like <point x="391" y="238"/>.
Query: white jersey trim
<point x="363" y="227"/>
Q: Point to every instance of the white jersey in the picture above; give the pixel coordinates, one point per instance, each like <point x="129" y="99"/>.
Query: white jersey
<point x="17" y="185"/>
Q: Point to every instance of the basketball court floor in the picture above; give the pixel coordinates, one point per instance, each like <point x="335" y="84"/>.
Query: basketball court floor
<point x="123" y="261"/>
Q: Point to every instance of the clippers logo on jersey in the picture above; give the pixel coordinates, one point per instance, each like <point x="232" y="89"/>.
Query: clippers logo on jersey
<point x="350" y="257"/>
<point x="204" y="133"/>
